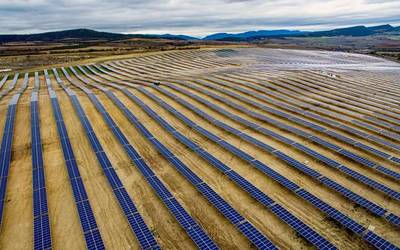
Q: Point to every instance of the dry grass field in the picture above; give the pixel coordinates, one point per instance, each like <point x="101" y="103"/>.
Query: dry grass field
<point x="239" y="148"/>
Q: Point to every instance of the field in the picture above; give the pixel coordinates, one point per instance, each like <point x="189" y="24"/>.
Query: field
<point x="237" y="148"/>
<point x="20" y="56"/>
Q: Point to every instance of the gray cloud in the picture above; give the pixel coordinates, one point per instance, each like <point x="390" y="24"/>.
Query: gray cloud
<point x="191" y="16"/>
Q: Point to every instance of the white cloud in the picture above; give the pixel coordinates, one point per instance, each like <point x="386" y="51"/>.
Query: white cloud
<point x="191" y="16"/>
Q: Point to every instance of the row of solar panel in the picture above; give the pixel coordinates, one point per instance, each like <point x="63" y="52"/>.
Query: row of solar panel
<point x="347" y="86"/>
<point x="145" y="237"/>
<point x="142" y="232"/>
<point x="344" y="191"/>
<point x="5" y="155"/>
<point x="229" y="212"/>
<point x="10" y="87"/>
<point x="339" y="150"/>
<point x="302" y="83"/>
<point x="41" y="225"/>
<point x="313" y="116"/>
<point x="333" y="213"/>
<point x="3" y="80"/>
<point x="307" y="232"/>
<point x="355" y="175"/>
<point x="312" y="80"/>
<point x="295" y="89"/>
<point x="324" y="207"/>
<point x="277" y="86"/>
<point x="315" y="127"/>
<point x="86" y="216"/>
<point x="363" y="202"/>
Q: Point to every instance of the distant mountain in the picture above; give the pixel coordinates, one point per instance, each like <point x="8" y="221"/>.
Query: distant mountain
<point x="248" y="34"/>
<point x="181" y="37"/>
<point x="354" y="31"/>
<point x="81" y="34"/>
<point x="84" y="35"/>
<point x="350" y="31"/>
<point x="88" y="35"/>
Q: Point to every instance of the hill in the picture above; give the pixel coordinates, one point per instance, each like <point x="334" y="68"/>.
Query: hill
<point x="248" y="34"/>
<point x="83" y="35"/>
<point x="354" y="31"/>
<point x="90" y="35"/>
<point x="349" y="31"/>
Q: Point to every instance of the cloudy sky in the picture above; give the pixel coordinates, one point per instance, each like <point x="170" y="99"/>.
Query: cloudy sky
<point x="192" y="17"/>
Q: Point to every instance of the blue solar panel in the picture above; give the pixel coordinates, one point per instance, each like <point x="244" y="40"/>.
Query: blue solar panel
<point x="394" y="219"/>
<point x="357" y="158"/>
<point x="296" y="164"/>
<point x="353" y="196"/>
<point x="213" y="197"/>
<point x="395" y="159"/>
<point x="275" y="175"/>
<point x="340" y="137"/>
<point x="288" y="159"/>
<point x="5" y="150"/>
<point x="373" y="208"/>
<point x="379" y="242"/>
<point x="298" y="120"/>
<point x="84" y="210"/>
<point x="324" y="143"/>
<point x="162" y="191"/>
<point x="317" y="155"/>
<point x="332" y="212"/>
<point x="260" y="241"/>
<point x="236" y="151"/>
<point x="252" y="190"/>
<point x="145" y="237"/>
<point x="388" y="172"/>
<point x="41" y="234"/>
<point x="93" y="240"/>
<point x="302" y="228"/>
<point x="352" y="226"/>
<point x="374" y="184"/>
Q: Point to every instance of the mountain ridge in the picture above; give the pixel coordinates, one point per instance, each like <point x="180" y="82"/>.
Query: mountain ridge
<point x="89" y="34"/>
<point x="84" y="35"/>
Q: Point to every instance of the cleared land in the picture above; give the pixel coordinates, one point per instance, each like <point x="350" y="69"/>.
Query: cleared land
<point x="237" y="148"/>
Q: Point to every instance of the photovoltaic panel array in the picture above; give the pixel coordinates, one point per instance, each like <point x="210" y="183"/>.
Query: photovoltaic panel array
<point x="372" y="207"/>
<point x="194" y="230"/>
<point x="331" y="212"/>
<point x="359" y="159"/>
<point x="252" y="233"/>
<point x="85" y="212"/>
<point x="41" y="223"/>
<point x="321" y="205"/>
<point x="7" y="140"/>
<point x="301" y="228"/>
<point x="305" y="123"/>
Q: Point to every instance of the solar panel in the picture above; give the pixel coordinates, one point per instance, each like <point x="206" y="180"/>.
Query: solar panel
<point x="292" y="162"/>
<point x="122" y="196"/>
<point x="317" y="155"/>
<point x="379" y="242"/>
<point x="212" y="197"/>
<point x="316" y="175"/>
<point x="331" y="212"/>
<point x="394" y="219"/>
<point x="145" y="237"/>
<point x="372" y="183"/>
<point x="7" y="140"/>
<point x="298" y="120"/>
<point x="85" y="212"/>
<point x="350" y="225"/>
<point x="302" y="228"/>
